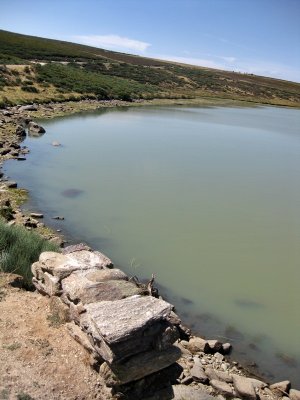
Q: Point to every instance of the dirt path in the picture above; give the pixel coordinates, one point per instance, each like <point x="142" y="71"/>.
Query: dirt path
<point x="38" y="359"/>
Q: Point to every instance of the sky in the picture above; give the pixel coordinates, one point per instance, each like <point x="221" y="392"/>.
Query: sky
<point x="253" y="36"/>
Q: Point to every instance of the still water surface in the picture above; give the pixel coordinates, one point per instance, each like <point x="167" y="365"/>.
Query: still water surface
<point x="208" y="199"/>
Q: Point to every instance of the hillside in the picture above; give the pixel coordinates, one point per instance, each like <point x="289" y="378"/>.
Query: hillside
<point x="42" y="70"/>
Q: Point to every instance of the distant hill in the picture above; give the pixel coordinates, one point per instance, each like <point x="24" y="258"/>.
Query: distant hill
<point x="33" y="68"/>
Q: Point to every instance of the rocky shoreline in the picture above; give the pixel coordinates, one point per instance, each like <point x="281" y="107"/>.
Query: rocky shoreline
<point x="203" y="368"/>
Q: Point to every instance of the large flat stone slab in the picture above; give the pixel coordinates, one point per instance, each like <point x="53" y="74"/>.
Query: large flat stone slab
<point x="94" y="285"/>
<point x="117" y="320"/>
<point x="122" y="328"/>
<point x="86" y="292"/>
<point x="61" y="265"/>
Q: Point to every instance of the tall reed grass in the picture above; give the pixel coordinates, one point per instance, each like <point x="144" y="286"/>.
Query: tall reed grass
<point x="19" y="248"/>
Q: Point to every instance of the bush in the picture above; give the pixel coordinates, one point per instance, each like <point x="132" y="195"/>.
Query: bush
<point x="20" y="248"/>
<point x="31" y="89"/>
<point x="5" y="102"/>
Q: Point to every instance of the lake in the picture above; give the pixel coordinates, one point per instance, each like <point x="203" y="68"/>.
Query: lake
<point x="207" y="199"/>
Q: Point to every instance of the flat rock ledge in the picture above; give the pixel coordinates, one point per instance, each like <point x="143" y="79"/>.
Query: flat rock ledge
<point x="135" y="340"/>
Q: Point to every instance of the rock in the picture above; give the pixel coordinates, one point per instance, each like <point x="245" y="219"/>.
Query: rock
<point x="29" y="107"/>
<point x="61" y="265"/>
<point x="39" y="286"/>
<point x="15" y="145"/>
<point x="35" y="128"/>
<point x="185" y="352"/>
<point x="30" y="223"/>
<point x="215" y="374"/>
<point x="198" y="373"/>
<point x="7" y="113"/>
<point x="80" y="336"/>
<point x="20" y="131"/>
<point x="90" y="259"/>
<point x="257" y="384"/>
<point x="196" y="344"/>
<point x="56" y="144"/>
<point x="125" y="327"/>
<point x="25" y="150"/>
<point x="36" y="215"/>
<point x="182" y="392"/>
<point x="59" y="310"/>
<point x="187" y="380"/>
<point x="174" y="319"/>
<point x="214" y="346"/>
<point x="218" y="357"/>
<point x="138" y="366"/>
<point x="75" y="311"/>
<point x="294" y="394"/>
<point x="79" y="287"/>
<point x="57" y="240"/>
<point x="283" y="386"/>
<point x="75" y="247"/>
<point x="58" y="217"/>
<point x="51" y="284"/>
<point x="226" y="348"/>
<point x="5" y="151"/>
<point x="244" y="387"/>
<point x="222" y="388"/>
<point x="185" y="333"/>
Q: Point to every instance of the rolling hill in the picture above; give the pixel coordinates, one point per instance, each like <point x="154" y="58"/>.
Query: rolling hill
<point x="38" y="69"/>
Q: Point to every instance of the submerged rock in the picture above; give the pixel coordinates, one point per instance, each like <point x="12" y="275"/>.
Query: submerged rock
<point x="72" y="192"/>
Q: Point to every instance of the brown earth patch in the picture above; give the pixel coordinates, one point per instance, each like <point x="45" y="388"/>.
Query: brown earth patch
<point x="39" y="358"/>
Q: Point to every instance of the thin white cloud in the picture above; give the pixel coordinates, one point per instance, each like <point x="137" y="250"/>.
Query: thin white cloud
<point x="257" y="67"/>
<point x="229" y="60"/>
<point x="202" y="62"/>
<point x="113" y="42"/>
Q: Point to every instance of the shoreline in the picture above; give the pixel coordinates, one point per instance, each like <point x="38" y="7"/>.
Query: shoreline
<point x="62" y="109"/>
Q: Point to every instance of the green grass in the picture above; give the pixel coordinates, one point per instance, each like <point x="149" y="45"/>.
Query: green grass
<point x="20" y="248"/>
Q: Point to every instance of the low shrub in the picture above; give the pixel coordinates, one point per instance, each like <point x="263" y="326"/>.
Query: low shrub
<point x="31" y="89"/>
<point x="19" y="248"/>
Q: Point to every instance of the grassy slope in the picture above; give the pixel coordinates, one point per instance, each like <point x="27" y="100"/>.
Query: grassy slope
<point x="99" y="73"/>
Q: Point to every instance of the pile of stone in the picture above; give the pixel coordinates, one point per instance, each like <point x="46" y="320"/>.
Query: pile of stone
<point x="135" y="340"/>
<point x="128" y="333"/>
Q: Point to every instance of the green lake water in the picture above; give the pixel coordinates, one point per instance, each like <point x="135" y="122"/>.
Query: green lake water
<point x="207" y="199"/>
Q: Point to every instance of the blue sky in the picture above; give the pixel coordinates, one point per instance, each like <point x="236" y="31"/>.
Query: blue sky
<point x="255" y="36"/>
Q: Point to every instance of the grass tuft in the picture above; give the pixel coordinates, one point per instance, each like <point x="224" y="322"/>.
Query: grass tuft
<point x="20" y="248"/>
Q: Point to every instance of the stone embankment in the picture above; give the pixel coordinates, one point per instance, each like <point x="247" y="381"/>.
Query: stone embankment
<point x="135" y="340"/>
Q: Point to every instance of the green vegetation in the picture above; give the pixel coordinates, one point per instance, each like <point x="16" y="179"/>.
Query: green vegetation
<point x="73" y="79"/>
<point x="19" y="248"/>
<point x="50" y="70"/>
<point x="24" y="396"/>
